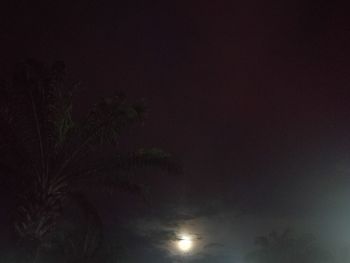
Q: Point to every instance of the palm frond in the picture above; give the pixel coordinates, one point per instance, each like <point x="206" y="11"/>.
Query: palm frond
<point x="109" y="117"/>
<point x="80" y="242"/>
<point x="104" y="124"/>
<point x="114" y="172"/>
<point x="36" y="112"/>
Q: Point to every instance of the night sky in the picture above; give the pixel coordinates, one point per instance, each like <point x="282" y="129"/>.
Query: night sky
<point x="252" y="97"/>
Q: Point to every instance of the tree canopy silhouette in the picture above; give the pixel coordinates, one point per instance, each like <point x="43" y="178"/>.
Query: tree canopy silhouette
<point x="48" y="158"/>
<point x="289" y="248"/>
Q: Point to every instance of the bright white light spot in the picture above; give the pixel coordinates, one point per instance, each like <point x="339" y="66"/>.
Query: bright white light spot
<point x="185" y="243"/>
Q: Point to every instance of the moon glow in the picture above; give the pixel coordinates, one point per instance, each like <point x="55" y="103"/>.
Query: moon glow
<point x="185" y="243"/>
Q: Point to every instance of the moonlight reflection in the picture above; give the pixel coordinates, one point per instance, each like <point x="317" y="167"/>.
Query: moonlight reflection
<point x="185" y="243"/>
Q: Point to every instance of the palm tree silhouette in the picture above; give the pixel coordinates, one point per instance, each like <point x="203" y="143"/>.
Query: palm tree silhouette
<point x="48" y="158"/>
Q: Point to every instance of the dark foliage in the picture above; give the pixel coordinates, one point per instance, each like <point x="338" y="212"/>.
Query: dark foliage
<point x="289" y="248"/>
<point x="48" y="158"/>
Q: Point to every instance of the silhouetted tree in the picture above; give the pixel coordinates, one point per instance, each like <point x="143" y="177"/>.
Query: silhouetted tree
<point x="47" y="157"/>
<point x="288" y="248"/>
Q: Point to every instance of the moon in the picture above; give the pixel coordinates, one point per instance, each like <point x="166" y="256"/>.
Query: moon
<point x="185" y="243"/>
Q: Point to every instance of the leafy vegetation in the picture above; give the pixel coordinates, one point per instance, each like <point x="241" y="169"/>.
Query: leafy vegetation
<point x="48" y="158"/>
<point x="289" y="248"/>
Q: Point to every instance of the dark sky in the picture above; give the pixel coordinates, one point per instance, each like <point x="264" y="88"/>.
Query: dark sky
<point x="252" y="96"/>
